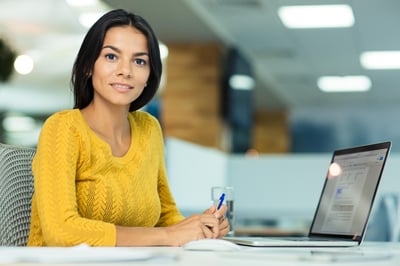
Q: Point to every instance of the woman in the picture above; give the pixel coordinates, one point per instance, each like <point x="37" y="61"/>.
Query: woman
<point x="99" y="169"/>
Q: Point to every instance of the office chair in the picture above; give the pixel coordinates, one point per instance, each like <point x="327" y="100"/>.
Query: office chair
<point x="16" y="189"/>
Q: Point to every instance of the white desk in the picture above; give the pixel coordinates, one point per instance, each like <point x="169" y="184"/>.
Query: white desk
<point x="369" y="253"/>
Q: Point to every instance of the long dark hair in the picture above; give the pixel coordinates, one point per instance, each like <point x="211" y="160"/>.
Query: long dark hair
<point x="91" y="47"/>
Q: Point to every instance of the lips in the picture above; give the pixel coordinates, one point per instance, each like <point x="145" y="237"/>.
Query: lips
<point x="121" y="87"/>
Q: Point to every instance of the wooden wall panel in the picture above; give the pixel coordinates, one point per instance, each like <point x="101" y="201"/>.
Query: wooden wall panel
<point x="190" y="100"/>
<point x="271" y="132"/>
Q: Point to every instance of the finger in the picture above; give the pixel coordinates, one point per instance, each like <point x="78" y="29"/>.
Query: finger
<point x="209" y="225"/>
<point x="210" y="210"/>
<point x="223" y="225"/>
<point x="223" y="232"/>
<point x="208" y="231"/>
<point x="221" y="212"/>
<point x="223" y="228"/>
<point x="223" y="221"/>
<point x="213" y="228"/>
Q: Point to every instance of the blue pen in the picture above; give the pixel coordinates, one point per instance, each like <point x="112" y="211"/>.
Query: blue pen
<point x="221" y="200"/>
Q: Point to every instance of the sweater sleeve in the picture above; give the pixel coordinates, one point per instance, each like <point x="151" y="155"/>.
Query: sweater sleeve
<point x="54" y="166"/>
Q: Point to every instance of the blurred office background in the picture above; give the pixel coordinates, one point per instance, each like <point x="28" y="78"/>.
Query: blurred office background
<point x="239" y="75"/>
<point x="241" y="78"/>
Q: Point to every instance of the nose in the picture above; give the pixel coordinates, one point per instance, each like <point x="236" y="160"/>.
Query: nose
<point x="125" y="68"/>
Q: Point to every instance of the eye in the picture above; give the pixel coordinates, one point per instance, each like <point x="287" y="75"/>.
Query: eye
<point x="110" y="57"/>
<point x="140" y="61"/>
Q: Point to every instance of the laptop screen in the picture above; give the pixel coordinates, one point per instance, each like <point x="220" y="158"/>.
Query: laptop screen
<point x="349" y="191"/>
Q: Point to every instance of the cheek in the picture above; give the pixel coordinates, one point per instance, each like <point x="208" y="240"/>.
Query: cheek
<point x="96" y="80"/>
<point x="145" y="78"/>
<point x="140" y="91"/>
<point x="100" y="75"/>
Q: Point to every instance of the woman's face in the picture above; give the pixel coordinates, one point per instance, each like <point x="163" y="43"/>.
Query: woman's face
<point x="121" y="71"/>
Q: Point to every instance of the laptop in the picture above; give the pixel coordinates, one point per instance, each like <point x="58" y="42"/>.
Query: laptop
<point x="345" y="203"/>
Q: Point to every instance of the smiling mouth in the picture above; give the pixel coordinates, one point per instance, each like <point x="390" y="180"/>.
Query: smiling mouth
<point x="121" y="86"/>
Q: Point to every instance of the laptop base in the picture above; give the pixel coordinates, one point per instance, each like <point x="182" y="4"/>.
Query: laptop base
<point x="284" y="242"/>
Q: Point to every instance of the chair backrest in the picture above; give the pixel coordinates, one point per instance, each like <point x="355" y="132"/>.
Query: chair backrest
<point x="16" y="189"/>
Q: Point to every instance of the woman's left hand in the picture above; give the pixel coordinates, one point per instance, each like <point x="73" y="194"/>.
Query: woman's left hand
<point x="220" y="215"/>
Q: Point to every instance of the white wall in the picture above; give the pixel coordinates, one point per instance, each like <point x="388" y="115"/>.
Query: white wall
<point x="192" y="171"/>
<point x="277" y="185"/>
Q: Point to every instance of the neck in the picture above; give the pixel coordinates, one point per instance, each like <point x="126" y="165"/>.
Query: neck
<point x="106" y="122"/>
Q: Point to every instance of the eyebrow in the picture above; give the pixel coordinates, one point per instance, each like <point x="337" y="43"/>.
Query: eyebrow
<point x="119" y="51"/>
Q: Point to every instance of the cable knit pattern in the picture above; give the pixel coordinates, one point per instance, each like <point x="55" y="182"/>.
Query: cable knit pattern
<point x="82" y="190"/>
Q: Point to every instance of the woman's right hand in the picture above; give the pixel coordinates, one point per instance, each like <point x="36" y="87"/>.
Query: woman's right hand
<point x="195" y="227"/>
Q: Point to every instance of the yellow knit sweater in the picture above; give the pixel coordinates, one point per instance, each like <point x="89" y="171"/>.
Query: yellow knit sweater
<point x="82" y="191"/>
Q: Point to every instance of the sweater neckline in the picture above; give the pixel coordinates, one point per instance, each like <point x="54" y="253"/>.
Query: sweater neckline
<point x="102" y="142"/>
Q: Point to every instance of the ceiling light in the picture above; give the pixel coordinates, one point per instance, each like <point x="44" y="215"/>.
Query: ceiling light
<point x="380" y="60"/>
<point x="316" y="16"/>
<point x="241" y="82"/>
<point x="18" y="123"/>
<point x="344" y="83"/>
<point x="23" y="64"/>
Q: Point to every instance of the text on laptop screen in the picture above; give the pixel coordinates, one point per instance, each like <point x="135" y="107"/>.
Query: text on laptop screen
<point x="350" y="188"/>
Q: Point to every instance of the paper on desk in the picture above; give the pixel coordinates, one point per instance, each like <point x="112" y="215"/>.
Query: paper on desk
<point x="75" y="254"/>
